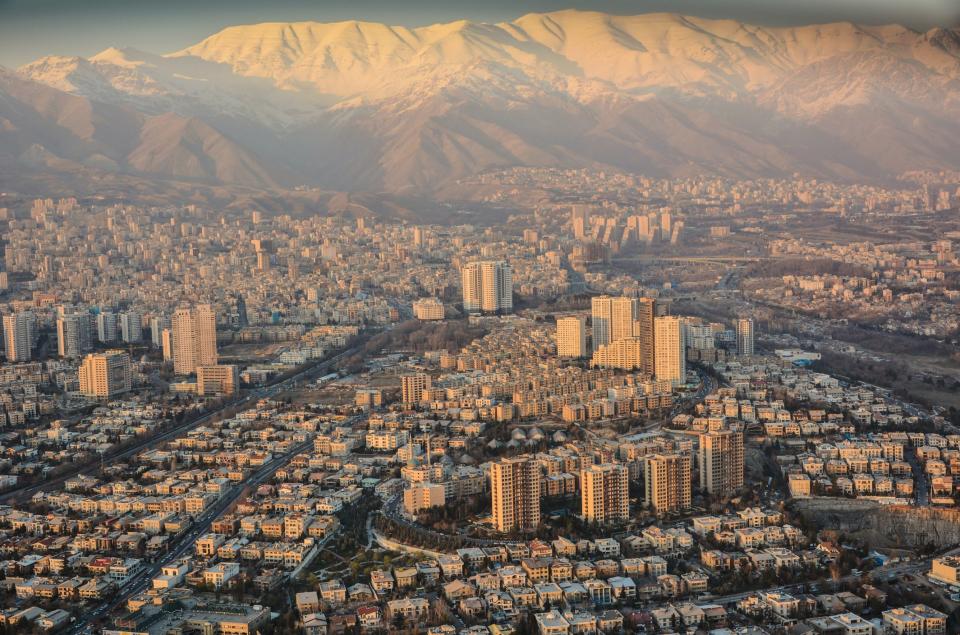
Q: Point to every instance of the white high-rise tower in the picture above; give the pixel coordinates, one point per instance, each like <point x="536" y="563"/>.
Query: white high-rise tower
<point x="487" y="287"/>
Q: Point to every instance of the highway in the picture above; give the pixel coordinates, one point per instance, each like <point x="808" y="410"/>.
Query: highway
<point x="718" y="259"/>
<point x="183" y="543"/>
<point x="201" y="525"/>
<point x="172" y="433"/>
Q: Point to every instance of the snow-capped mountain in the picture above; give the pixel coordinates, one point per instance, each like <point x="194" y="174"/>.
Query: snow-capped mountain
<point x="359" y="105"/>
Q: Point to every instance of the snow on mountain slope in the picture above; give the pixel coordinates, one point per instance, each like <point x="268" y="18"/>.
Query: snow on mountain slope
<point x="653" y="51"/>
<point x="363" y="105"/>
<point x="157" y="84"/>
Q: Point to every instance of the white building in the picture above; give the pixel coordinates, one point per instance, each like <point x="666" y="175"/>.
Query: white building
<point x="428" y="309"/>
<point x="107" y="326"/>
<point x="18" y="336"/>
<point x="131" y="326"/>
<point x="74" y="334"/>
<point x="487" y="287"/>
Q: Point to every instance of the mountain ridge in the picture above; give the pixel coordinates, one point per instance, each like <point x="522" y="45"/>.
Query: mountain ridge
<point x="367" y="106"/>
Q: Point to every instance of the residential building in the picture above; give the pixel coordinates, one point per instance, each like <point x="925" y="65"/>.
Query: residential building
<point x="105" y="374"/>
<point x="412" y="387"/>
<point x="625" y="354"/>
<point x="74" y="334"/>
<point x="158" y="324"/>
<point x="428" y="309"/>
<point x="670" y="350"/>
<point x="487" y="287"/>
<point x="222" y="379"/>
<point x="131" y="326"/>
<point x="420" y="496"/>
<point x="721" y="462"/>
<point x="745" y="337"/>
<point x="571" y="337"/>
<point x="194" y="339"/>
<point x="667" y="478"/>
<point x="604" y="493"/>
<point x="515" y="494"/>
<point x="946" y="569"/>
<point x="106" y="326"/>
<point x="643" y="328"/>
<point x="18" y="336"/>
<point x="601" y="317"/>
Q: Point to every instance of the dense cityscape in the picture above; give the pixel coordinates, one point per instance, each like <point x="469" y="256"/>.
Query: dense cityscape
<point x="636" y="405"/>
<point x="497" y="318"/>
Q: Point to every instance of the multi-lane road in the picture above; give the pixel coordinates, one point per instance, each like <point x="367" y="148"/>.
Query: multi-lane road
<point x="182" y="544"/>
<point x="27" y="491"/>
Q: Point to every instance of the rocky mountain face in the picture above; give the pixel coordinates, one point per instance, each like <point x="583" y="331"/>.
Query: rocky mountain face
<point x="365" y="106"/>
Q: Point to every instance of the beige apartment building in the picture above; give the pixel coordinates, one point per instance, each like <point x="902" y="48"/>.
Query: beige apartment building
<point x="515" y="494"/>
<point x="946" y="569"/>
<point x="222" y="379"/>
<point x="604" y="493"/>
<point x="668" y="482"/>
<point x="571" y="337"/>
<point x="625" y="354"/>
<point x="918" y="619"/>
<point x="194" y="339"/>
<point x="613" y="318"/>
<point x="412" y="387"/>
<point x="487" y="287"/>
<point x="643" y="328"/>
<point x="670" y="350"/>
<point x="745" y="347"/>
<point x="721" y="462"/>
<point x="428" y="309"/>
<point x="423" y="496"/>
<point x="105" y="374"/>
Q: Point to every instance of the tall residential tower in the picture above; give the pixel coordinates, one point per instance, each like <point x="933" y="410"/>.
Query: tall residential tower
<point x="644" y="330"/>
<point x="745" y="337"/>
<point x="194" y="339"/>
<point x="667" y="479"/>
<point x="670" y="350"/>
<point x="721" y="462"/>
<point x="105" y="374"/>
<point x="487" y="287"/>
<point x="74" y="334"/>
<point x="571" y="337"/>
<point x="515" y="494"/>
<point x="604" y="493"/>
<point x="18" y="336"/>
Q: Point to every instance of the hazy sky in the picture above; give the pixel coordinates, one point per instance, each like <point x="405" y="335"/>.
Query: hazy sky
<point x="32" y="28"/>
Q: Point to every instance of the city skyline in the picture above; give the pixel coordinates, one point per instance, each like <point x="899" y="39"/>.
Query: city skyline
<point x="391" y="385"/>
<point x="440" y="318"/>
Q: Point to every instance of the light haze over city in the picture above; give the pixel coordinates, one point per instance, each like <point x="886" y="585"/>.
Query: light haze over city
<point x="450" y="318"/>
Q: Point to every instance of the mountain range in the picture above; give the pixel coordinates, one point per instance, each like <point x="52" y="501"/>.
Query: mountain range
<point x="370" y="107"/>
